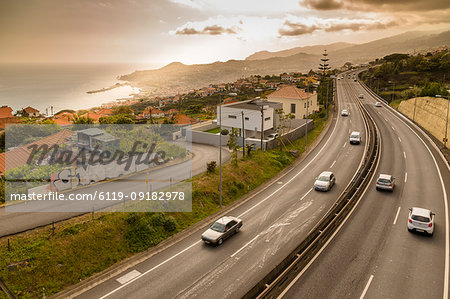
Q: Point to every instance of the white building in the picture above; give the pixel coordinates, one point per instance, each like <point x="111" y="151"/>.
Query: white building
<point x="251" y="111"/>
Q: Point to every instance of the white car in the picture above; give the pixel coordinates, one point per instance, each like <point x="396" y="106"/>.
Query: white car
<point x="385" y="182"/>
<point x="273" y="136"/>
<point x="344" y="112"/>
<point x="378" y="104"/>
<point x="421" y="220"/>
<point x="325" y="181"/>
<point x="355" y="138"/>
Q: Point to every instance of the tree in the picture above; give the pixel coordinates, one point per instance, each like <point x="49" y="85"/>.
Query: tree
<point x="233" y="143"/>
<point x="81" y="120"/>
<point x="116" y="119"/>
<point x="122" y="110"/>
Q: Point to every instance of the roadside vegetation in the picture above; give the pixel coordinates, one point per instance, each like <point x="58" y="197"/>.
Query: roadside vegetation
<point x="399" y="77"/>
<point x="46" y="260"/>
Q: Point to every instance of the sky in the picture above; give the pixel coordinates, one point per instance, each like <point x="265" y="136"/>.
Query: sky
<point x="158" y="32"/>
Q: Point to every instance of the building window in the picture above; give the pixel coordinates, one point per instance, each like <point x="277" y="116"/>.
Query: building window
<point x="292" y="108"/>
<point x="267" y="118"/>
<point x="232" y="116"/>
<point x="246" y="118"/>
<point x="305" y="104"/>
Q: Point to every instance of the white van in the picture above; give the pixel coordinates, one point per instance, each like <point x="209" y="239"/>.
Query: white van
<point x="355" y="138"/>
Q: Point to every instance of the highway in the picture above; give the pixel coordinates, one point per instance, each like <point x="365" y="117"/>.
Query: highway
<point x="275" y="220"/>
<point x="18" y="221"/>
<point x="373" y="255"/>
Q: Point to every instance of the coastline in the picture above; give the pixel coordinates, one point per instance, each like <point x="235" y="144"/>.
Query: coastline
<point x="107" y="88"/>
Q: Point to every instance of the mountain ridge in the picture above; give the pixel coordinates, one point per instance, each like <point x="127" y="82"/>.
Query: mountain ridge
<point x="177" y="78"/>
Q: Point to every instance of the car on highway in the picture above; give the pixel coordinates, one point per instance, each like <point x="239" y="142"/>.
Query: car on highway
<point x="361" y="96"/>
<point x="222" y="229"/>
<point x="344" y="112"/>
<point x="378" y="104"/>
<point x="273" y="136"/>
<point x="325" y="181"/>
<point x="385" y="182"/>
<point x="355" y="137"/>
<point x="421" y="220"/>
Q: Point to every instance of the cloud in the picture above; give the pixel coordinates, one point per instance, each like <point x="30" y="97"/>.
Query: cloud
<point x="376" y="5"/>
<point x="189" y="3"/>
<point x="294" y="29"/>
<point x="310" y="25"/>
<point x="323" y="4"/>
<point x="208" y="30"/>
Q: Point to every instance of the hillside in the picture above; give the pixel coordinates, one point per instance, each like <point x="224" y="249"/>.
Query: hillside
<point x="177" y="77"/>
<point x="289" y="52"/>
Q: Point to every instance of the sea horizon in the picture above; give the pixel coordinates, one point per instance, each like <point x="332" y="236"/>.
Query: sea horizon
<point x="64" y="85"/>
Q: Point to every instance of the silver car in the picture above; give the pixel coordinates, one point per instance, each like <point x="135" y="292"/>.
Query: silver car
<point x="421" y="220"/>
<point x="378" y="104"/>
<point x="344" y="112"/>
<point x="222" y="229"/>
<point x="325" y="181"/>
<point x="385" y="182"/>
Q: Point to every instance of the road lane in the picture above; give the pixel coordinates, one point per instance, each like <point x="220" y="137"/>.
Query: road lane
<point x="11" y="223"/>
<point x="275" y="221"/>
<point x="374" y="255"/>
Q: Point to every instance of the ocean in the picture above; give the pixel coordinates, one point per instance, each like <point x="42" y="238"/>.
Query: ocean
<point x="62" y="86"/>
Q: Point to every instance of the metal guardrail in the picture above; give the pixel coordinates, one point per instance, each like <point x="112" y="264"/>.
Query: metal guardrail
<point x="280" y="277"/>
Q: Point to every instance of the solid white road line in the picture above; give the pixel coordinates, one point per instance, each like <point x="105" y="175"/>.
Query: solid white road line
<point x="294" y="177"/>
<point x="406" y="176"/>
<point x="239" y="250"/>
<point x="334" y="234"/>
<point x="150" y="270"/>
<point x="367" y="287"/>
<point x="396" y="216"/>
<point x="409" y="123"/>
<point x="404" y="155"/>
<point x="333" y="164"/>
<point x="254" y="206"/>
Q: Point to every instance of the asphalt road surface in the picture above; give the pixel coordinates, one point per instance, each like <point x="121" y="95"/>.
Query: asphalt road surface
<point x="374" y="255"/>
<point x="13" y="222"/>
<point x="275" y="221"/>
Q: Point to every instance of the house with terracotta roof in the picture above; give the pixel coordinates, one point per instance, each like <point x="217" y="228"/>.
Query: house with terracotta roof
<point x="31" y="112"/>
<point x="154" y="112"/>
<point x="20" y="155"/>
<point x="63" y="118"/>
<point x="295" y="100"/>
<point x="286" y="77"/>
<point x="6" y="116"/>
<point x="182" y="119"/>
<point x="171" y="112"/>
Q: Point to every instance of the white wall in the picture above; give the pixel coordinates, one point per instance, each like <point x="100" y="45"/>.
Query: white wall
<point x="253" y="121"/>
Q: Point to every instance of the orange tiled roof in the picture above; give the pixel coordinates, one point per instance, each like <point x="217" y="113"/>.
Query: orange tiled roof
<point x="171" y="111"/>
<point x="5" y="112"/>
<point x="154" y="110"/>
<point x="289" y="92"/>
<point x="30" y="109"/>
<point x="19" y="156"/>
<point x="182" y="119"/>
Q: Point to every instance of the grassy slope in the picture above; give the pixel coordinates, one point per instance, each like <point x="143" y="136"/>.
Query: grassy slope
<point x="83" y="246"/>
